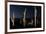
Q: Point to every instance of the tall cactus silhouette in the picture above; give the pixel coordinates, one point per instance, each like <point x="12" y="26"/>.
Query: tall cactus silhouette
<point x="24" y="17"/>
<point x="12" y="18"/>
<point x="35" y="15"/>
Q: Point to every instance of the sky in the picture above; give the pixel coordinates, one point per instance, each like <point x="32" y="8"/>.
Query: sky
<point x="19" y="11"/>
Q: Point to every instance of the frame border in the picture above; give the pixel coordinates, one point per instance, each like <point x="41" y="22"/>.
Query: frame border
<point x="24" y="2"/>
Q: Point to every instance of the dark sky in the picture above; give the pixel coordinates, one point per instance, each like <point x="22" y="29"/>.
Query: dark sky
<point x="19" y="11"/>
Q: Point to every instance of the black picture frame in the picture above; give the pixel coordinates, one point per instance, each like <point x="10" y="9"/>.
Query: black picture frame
<point x="24" y="2"/>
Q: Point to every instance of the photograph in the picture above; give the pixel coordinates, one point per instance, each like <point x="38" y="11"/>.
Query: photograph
<point x="24" y="17"/>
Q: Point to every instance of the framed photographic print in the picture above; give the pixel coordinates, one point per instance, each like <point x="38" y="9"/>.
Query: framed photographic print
<point x="25" y="16"/>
